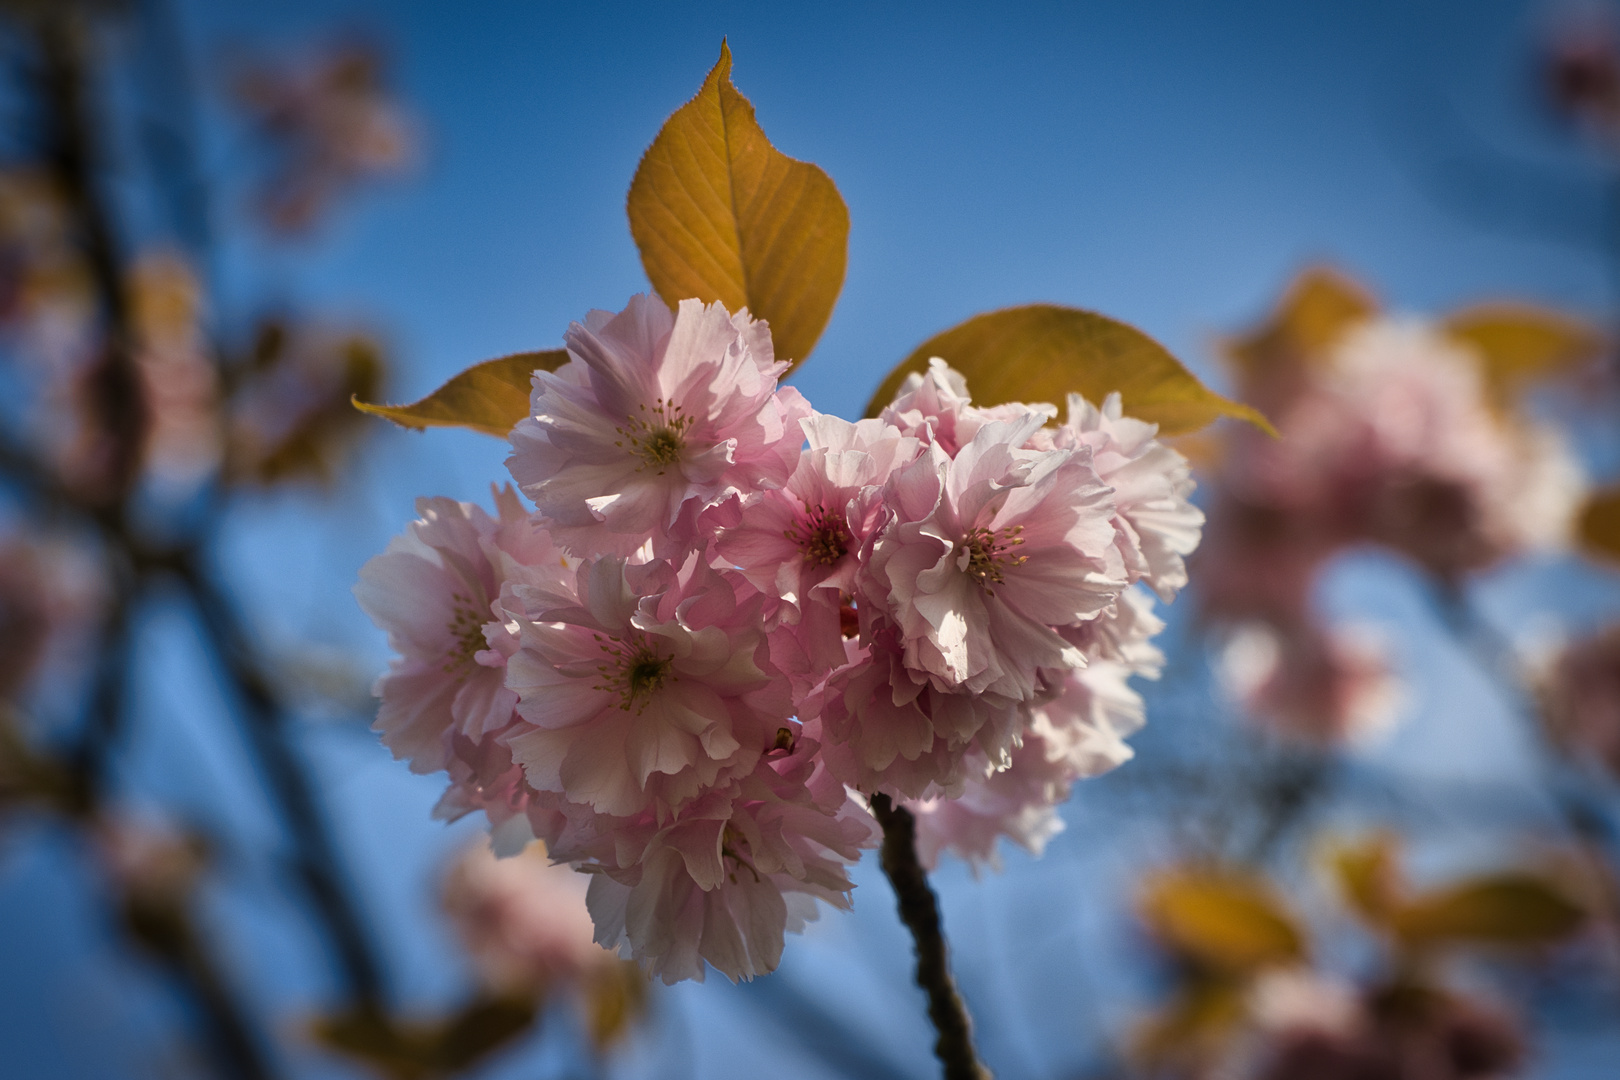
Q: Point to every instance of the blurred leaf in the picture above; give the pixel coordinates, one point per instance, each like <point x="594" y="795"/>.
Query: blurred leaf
<point x="482" y="1027"/>
<point x="1224" y="922"/>
<point x="1521" y="342"/>
<point x="615" y="996"/>
<point x="1369" y="877"/>
<point x="490" y="397"/>
<point x="1043" y="352"/>
<point x="371" y="1037"/>
<point x="721" y="214"/>
<point x="1192" y="1026"/>
<point x="1502" y="909"/>
<point x="1319" y="306"/>
<point x="425" y="1049"/>
<point x="1599" y="524"/>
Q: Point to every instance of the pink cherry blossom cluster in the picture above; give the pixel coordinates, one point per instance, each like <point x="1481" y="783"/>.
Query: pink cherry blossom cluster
<point x="1390" y="438"/>
<point x="729" y="619"/>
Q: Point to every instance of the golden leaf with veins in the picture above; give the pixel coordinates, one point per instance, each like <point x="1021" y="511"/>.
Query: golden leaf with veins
<point x="490" y="397"/>
<point x="1043" y="352"/>
<point x="721" y="214"/>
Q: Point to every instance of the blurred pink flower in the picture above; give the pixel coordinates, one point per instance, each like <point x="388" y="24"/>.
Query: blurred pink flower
<point x="1580" y="695"/>
<point x="1322" y="685"/>
<point x="52" y="592"/>
<point x="1395" y="442"/>
<point x="1416" y="1035"/>
<point x="184" y="438"/>
<point x="329" y="122"/>
<point x="522" y="918"/>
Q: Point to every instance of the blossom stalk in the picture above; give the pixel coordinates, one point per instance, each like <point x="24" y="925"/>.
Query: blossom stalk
<point x="919" y="910"/>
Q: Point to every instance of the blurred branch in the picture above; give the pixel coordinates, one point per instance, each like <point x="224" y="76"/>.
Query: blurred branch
<point x="63" y="80"/>
<point x="116" y="398"/>
<point x="266" y="726"/>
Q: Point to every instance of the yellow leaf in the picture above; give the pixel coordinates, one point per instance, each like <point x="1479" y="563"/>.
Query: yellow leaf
<point x="1520" y="342"/>
<point x="1369" y="877"/>
<point x="490" y="397"/>
<point x="1043" y="352"/>
<point x="1225" y="922"/>
<point x="1193" y="1026"/>
<point x="1599" y="523"/>
<point x="1503" y="909"/>
<point x="721" y="214"/>
<point x="615" y="998"/>
<point x="1319" y="306"/>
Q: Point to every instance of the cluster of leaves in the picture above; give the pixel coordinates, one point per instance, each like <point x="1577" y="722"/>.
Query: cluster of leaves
<point x="1225" y="927"/>
<point x="1519" y="345"/>
<point x="720" y="214"/>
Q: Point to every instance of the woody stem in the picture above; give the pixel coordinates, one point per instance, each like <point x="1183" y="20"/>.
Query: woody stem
<point x="919" y="910"/>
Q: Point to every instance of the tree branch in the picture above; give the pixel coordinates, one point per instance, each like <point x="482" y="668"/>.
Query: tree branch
<point x="920" y="912"/>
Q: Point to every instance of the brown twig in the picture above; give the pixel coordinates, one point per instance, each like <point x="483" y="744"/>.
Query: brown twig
<point x="919" y="910"/>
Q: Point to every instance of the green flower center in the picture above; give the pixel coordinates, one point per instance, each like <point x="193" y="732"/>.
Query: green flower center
<point x="632" y="670"/>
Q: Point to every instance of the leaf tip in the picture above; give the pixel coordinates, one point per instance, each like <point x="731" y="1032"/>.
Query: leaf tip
<point x="387" y="412"/>
<point x="1254" y="416"/>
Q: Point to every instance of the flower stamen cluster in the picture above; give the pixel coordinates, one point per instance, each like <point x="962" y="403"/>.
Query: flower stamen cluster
<point x="984" y="554"/>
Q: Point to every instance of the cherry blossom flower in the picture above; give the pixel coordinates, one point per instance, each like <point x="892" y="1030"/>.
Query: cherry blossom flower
<point x="435" y="591"/>
<point x="662" y="409"/>
<point x="1078" y="730"/>
<point x="1418" y="1035"/>
<point x="184" y="439"/>
<point x="725" y="880"/>
<point x="938" y="400"/>
<point x="653" y="684"/>
<point x="801" y="543"/>
<point x="1157" y="526"/>
<point x="1018" y="802"/>
<point x="891" y="729"/>
<point x="52" y="593"/>
<point x="769" y="605"/>
<point x="987" y="552"/>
